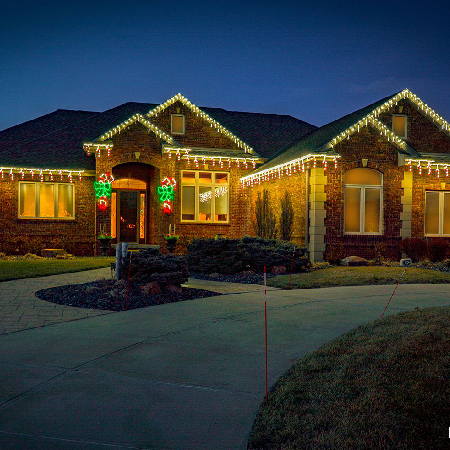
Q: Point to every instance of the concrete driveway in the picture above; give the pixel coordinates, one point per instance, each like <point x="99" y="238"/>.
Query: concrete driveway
<point x="188" y="375"/>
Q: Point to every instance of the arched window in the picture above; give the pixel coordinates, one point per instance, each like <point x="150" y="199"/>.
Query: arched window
<point x="363" y="201"/>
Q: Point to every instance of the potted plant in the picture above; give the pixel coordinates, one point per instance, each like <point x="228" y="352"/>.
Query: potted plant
<point x="105" y="242"/>
<point x="171" y="241"/>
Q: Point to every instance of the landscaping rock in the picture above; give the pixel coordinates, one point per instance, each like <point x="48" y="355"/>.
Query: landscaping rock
<point x="53" y="252"/>
<point x="406" y="262"/>
<point x="279" y="270"/>
<point x="151" y="288"/>
<point x="354" y="261"/>
<point x="173" y="288"/>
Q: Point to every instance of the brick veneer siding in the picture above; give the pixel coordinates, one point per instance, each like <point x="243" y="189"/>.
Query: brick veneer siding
<point x="422" y="134"/>
<point x="382" y="156"/>
<point x="77" y="235"/>
<point x="152" y="167"/>
<point x="296" y="186"/>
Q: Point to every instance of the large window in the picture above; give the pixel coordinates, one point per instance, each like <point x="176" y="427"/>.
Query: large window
<point x="437" y="213"/>
<point x="46" y="201"/>
<point x="204" y="196"/>
<point x="363" y="201"/>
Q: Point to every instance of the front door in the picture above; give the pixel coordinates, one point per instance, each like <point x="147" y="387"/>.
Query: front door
<point x="128" y="216"/>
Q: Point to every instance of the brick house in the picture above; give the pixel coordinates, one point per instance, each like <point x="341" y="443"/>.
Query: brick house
<point x="372" y="177"/>
<point x="55" y="173"/>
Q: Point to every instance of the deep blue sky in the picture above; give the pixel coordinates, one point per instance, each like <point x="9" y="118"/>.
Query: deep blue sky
<point x="316" y="61"/>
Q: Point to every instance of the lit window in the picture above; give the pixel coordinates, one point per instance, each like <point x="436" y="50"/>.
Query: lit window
<point x="437" y="213"/>
<point x="204" y="197"/>
<point x="363" y="200"/>
<point x="399" y="125"/>
<point x="177" y="123"/>
<point x="46" y="201"/>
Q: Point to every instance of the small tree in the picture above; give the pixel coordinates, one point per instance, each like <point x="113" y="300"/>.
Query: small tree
<point x="265" y="225"/>
<point x="286" y="217"/>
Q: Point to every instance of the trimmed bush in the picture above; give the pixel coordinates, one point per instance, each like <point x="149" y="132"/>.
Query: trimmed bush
<point x="415" y="248"/>
<point x="437" y="249"/>
<point x="231" y="256"/>
<point x="150" y="265"/>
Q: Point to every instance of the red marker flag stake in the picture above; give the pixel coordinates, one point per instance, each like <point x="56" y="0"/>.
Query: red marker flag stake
<point x="398" y="282"/>
<point x="265" y="324"/>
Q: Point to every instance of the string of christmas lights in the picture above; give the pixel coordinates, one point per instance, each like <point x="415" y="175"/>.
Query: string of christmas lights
<point x="290" y="167"/>
<point x="213" y="123"/>
<point x="133" y="119"/>
<point x="186" y="154"/>
<point x="22" y="172"/>
<point x="428" y="167"/>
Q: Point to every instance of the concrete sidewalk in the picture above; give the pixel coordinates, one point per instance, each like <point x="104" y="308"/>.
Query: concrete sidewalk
<point x="20" y="309"/>
<point x="187" y="375"/>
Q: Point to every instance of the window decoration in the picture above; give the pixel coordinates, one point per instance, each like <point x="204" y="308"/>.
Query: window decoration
<point x="103" y="190"/>
<point x="46" y="200"/>
<point x="213" y="123"/>
<point x="363" y="201"/>
<point x="166" y="193"/>
<point x="205" y="196"/>
<point x="437" y="213"/>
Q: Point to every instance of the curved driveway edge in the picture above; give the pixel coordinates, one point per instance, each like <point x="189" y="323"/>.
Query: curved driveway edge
<point x="20" y="309"/>
<point x="187" y="375"/>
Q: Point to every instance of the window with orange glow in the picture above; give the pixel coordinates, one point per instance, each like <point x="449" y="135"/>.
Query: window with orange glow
<point x="113" y="215"/>
<point x="437" y="213"/>
<point x="399" y="125"/>
<point x="177" y="124"/>
<point x="142" y="216"/>
<point x="204" y="196"/>
<point x="46" y="200"/>
<point x="363" y="201"/>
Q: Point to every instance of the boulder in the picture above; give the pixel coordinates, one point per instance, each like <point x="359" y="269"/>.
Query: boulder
<point x="175" y="289"/>
<point x="53" y="252"/>
<point x="151" y="288"/>
<point x="406" y="262"/>
<point x="354" y="261"/>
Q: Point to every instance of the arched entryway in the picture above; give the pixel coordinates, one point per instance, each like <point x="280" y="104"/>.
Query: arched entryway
<point x="131" y="203"/>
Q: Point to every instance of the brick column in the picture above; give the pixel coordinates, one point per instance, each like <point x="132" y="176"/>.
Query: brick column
<point x="406" y="214"/>
<point x="317" y="214"/>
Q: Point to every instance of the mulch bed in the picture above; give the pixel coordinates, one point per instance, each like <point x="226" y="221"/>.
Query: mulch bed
<point x="109" y="295"/>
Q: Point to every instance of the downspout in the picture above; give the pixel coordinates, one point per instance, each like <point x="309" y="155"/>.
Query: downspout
<point x="307" y="212"/>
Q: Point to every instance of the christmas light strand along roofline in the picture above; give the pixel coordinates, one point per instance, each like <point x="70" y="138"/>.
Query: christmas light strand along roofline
<point x="296" y="165"/>
<point x="55" y="174"/>
<point x="428" y="166"/>
<point x="196" y="159"/>
<point x="179" y="97"/>
<point x="90" y="147"/>
<point x="372" y="118"/>
<point x="133" y="119"/>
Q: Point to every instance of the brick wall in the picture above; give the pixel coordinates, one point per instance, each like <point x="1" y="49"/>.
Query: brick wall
<point x="78" y="233"/>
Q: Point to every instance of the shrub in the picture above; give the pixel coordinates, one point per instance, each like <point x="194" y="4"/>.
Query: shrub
<point x="286" y="217"/>
<point x="380" y="252"/>
<point x="437" y="249"/>
<point x="265" y="225"/>
<point x="415" y="248"/>
<point x="151" y="265"/>
<point x="230" y="256"/>
<point x="335" y="254"/>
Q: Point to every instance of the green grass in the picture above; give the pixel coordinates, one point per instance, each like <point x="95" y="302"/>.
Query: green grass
<point x="31" y="268"/>
<point x="358" y="276"/>
<point x="381" y="386"/>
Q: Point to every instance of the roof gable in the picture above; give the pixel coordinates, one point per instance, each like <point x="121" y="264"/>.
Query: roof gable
<point x="214" y="123"/>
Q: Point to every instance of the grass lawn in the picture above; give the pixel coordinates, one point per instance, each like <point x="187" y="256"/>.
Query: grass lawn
<point x="358" y="276"/>
<point x="381" y="386"/>
<point x="30" y="268"/>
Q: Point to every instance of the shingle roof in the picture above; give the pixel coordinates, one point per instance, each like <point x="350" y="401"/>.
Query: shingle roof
<point x="56" y="139"/>
<point x="314" y="141"/>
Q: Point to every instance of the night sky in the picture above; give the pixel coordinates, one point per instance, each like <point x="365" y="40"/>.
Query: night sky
<point x="316" y="61"/>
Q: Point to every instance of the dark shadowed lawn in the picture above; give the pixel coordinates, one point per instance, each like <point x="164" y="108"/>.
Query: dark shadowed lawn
<point x="358" y="276"/>
<point x="384" y="385"/>
<point x="11" y="269"/>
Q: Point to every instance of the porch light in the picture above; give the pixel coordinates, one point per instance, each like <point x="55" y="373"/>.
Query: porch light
<point x="137" y="155"/>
